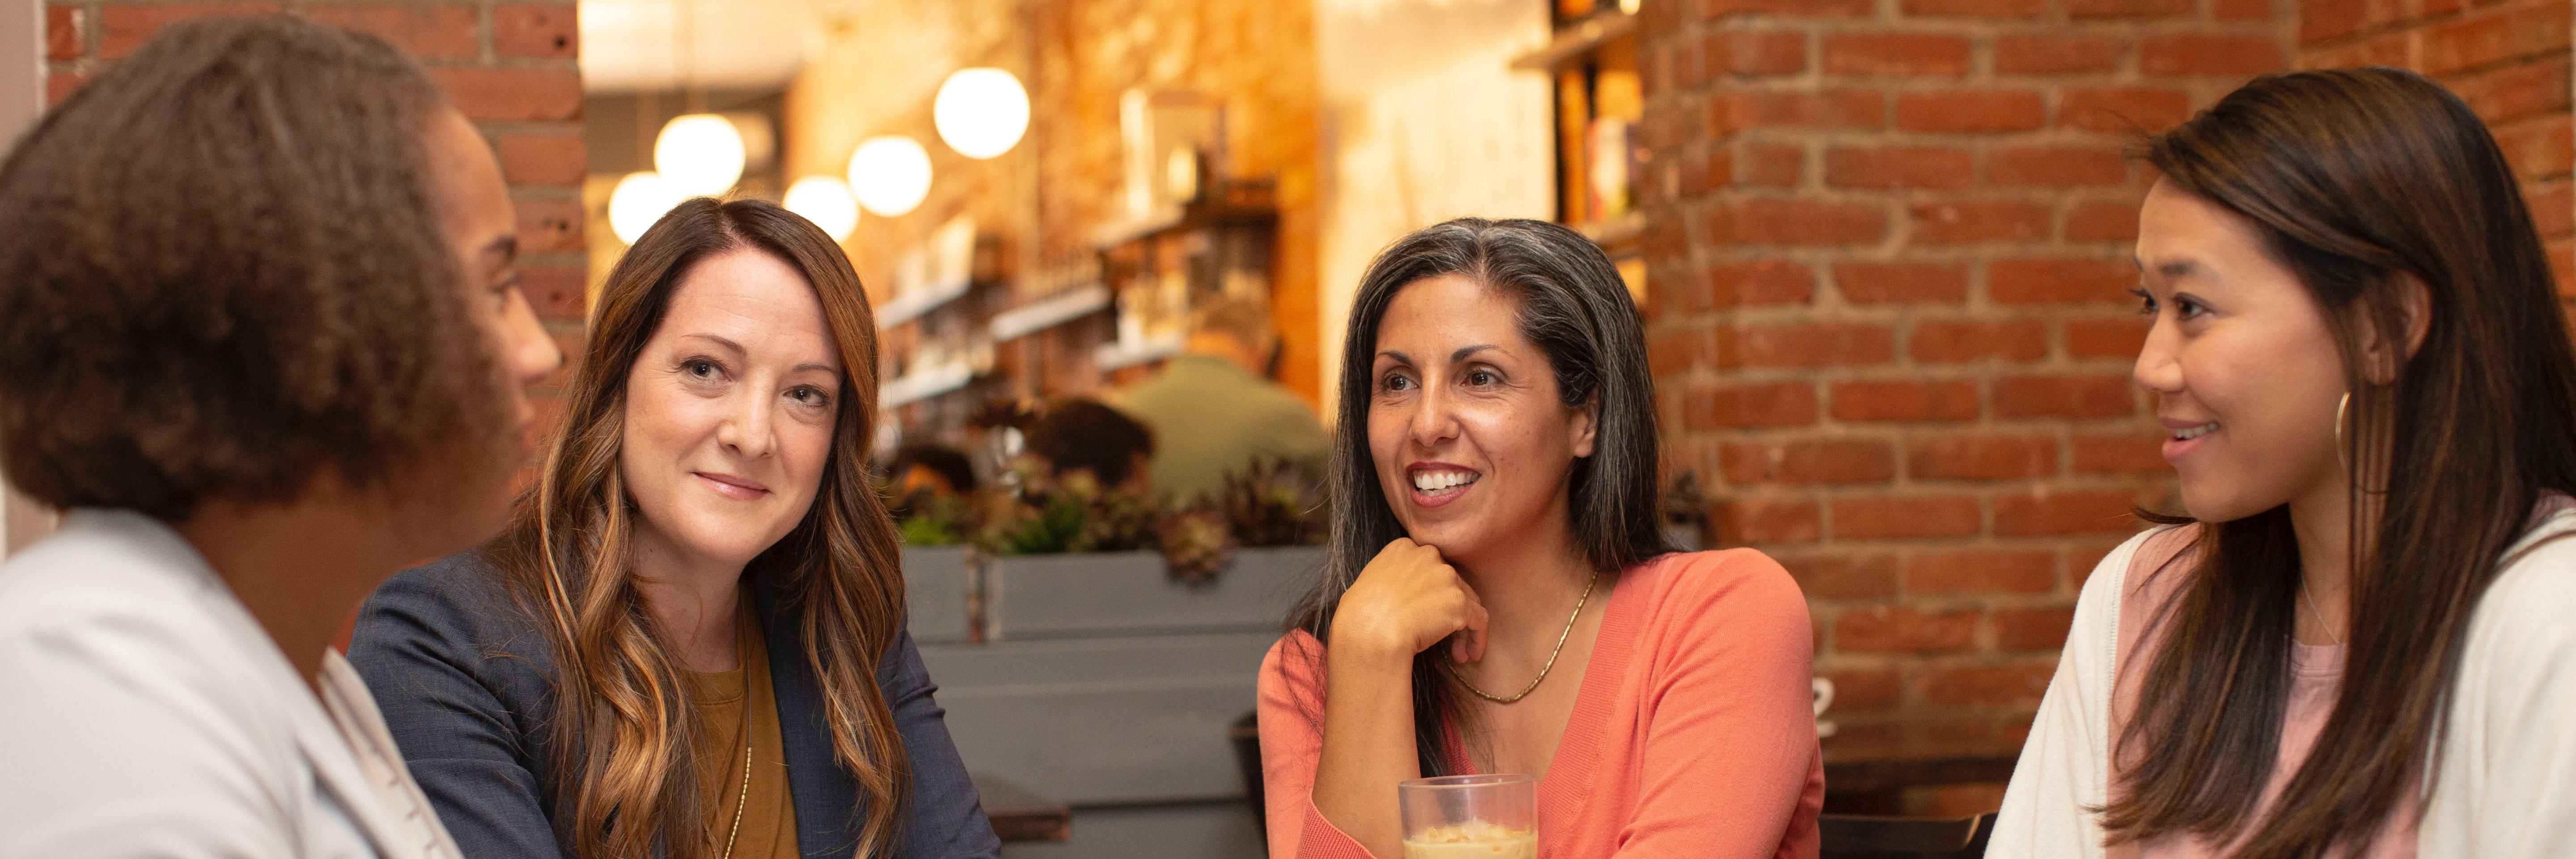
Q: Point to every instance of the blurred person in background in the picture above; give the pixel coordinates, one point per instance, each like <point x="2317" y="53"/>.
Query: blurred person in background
<point x="1214" y="409"/>
<point x="1081" y="435"/>
<point x="690" y="641"/>
<point x="936" y="469"/>
<point x="266" y="345"/>
<point x="2355" y="641"/>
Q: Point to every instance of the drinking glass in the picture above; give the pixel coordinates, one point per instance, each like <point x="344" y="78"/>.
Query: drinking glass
<point x="1470" y="817"/>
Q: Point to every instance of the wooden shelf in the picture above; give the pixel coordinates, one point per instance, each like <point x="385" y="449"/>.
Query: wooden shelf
<point x="1049" y="312"/>
<point x="910" y="307"/>
<point x="1230" y="202"/>
<point x="1615" y="234"/>
<point x="1575" y="40"/>
<point x="1119" y="356"/>
<point x="923" y="383"/>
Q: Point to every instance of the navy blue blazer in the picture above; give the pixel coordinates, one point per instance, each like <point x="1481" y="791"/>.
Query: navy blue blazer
<point x="464" y="677"/>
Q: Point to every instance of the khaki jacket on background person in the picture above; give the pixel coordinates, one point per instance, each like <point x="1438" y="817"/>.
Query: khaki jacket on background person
<point x="1210" y="416"/>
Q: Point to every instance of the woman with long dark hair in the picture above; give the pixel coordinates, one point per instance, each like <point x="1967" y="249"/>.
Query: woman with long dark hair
<point x="690" y="641"/>
<point x="2357" y="641"/>
<point x="1497" y="595"/>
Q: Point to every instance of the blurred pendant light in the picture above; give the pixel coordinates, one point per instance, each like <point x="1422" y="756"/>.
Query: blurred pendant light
<point x="981" y="112"/>
<point x="890" y="175"/>
<point x="639" y="200"/>
<point x="826" y="201"/>
<point x="699" y="154"/>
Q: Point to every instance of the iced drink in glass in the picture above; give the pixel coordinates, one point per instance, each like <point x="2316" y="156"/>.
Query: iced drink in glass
<point x="1470" y="817"/>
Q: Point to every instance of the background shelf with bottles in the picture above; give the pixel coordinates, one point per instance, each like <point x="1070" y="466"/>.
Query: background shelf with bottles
<point x="1592" y="64"/>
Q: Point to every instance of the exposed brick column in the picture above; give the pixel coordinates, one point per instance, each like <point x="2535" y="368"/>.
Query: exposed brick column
<point x="2507" y="58"/>
<point x="1890" y="241"/>
<point x="508" y="65"/>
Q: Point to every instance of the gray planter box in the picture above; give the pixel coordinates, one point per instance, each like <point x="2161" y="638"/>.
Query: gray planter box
<point x="1129" y="593"/>
<point x="938" y="585"/>
<point x="1101" y="682"/>
<point x="1093" y="721"/>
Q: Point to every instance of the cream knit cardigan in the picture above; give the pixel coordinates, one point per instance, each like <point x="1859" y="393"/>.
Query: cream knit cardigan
<point x="2506" y="786"/>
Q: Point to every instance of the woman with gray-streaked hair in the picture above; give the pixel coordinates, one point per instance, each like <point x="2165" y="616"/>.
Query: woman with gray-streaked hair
<point x="1497" y="596"/>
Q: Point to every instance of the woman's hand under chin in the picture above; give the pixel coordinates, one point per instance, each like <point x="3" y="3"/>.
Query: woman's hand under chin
<point x="1406" y="600"/>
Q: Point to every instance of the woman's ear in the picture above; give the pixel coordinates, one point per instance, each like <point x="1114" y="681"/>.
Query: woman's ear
<point x="2415" y="306"/>
<point x="1586" y="425"/>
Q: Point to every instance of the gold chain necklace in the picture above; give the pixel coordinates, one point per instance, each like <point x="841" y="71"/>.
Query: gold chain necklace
<point x="743" y="798"/>
<point x="1542" y="670"/>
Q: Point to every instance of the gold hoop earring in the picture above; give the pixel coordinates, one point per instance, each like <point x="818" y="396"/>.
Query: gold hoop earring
<point x="2340" y="405"/>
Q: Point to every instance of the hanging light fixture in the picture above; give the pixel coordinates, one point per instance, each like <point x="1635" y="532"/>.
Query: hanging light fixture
<point x="890" y="175"/>
<point x="640" y="200"/>
<point x="826" y="201"/>
<point x="981" y="112"/>
<point x="700" y="154"/>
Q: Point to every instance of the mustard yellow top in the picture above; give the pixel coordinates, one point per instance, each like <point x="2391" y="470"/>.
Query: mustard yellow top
<point x="726" y="701"/>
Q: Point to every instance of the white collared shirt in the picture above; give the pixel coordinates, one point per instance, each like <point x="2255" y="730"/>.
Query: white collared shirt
<point x="144" y="713"/>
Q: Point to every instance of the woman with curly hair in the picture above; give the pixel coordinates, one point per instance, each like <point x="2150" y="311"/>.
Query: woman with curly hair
<point x="266" y="345"/>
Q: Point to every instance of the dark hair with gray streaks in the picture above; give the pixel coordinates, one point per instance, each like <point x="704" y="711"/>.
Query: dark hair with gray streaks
<point x="1573" y="305"/>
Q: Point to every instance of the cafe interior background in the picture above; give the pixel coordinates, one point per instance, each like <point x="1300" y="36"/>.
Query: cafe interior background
<point x="1879" y="245"/>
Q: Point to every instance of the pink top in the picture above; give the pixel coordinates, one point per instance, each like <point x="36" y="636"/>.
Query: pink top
<point x="1693" y="733"/>
<point x="2316" y="675"/>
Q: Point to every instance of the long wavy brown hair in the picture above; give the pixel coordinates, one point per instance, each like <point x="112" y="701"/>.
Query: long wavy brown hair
<point x="2365" y="183"/>
<point x="625" y="784"/>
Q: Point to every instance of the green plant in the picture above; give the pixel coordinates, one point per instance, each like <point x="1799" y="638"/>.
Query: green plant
<point x="934" y="521"/>
<point x="1271" y="503"/>
<point x="1196" y="544"/>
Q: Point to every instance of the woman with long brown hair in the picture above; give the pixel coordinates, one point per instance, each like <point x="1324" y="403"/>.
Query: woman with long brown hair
<point x="690" y="641"/>
<point x="2356" y="643"/>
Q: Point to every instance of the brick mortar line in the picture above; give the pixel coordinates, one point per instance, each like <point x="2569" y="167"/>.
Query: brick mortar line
<point x="2404" y="25"/>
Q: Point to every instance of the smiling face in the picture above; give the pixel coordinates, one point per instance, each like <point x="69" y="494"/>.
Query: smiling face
<point x="730" y="410"/>
<point x="2241" y="359"/>
<point x="1470" y="440"/>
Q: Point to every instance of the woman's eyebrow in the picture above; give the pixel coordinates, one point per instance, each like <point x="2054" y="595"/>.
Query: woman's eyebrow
<point x="736" y="348"/>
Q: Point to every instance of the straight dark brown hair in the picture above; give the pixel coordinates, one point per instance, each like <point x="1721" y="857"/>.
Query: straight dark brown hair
<point x="2363" y="182"/>
<point x="1573" y="306"/>
<point x="625" y="783"/>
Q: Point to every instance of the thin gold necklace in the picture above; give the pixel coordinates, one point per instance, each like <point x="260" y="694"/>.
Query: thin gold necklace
<point x="1542" y="670"/>
<point x="744" y="797"/>
<point x="2321" y="615"/>
<point x="742" y="645"/>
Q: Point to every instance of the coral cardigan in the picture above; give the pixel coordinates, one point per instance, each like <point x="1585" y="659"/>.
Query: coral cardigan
<point x="1693" y="733"/>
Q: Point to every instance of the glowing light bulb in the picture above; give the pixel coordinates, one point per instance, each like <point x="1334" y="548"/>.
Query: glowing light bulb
<point x="826" y="201"/>
<point x="890" y="175"/>
<point x="981" y="112"/>
<point x="640" y="200"/>
<point x="701" y="154"/>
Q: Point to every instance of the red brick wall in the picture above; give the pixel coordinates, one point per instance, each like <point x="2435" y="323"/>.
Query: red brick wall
<point x="508" y="65"/>
<point x="2507" y="58"/>
<point x="1890" y="241"/>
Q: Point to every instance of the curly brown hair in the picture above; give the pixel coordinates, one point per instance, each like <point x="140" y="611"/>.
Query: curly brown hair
<point x="222" y="272"/>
